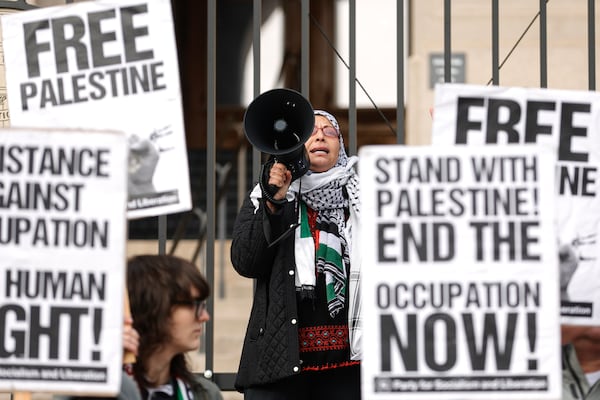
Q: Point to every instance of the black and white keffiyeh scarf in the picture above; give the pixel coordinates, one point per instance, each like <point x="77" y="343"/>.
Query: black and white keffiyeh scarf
<point x="324" y="193"/>
<point x="330" y="194"/>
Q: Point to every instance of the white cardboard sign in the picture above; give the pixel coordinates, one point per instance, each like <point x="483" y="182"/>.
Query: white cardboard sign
<point x="459" y="276"/>
<point x="567" y="122"/>
<point x="62" y="237"/>
<point x="105" y="65"/>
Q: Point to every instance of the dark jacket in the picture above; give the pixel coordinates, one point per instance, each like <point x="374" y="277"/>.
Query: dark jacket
<point x="128" y="391"/>
<point x="208" y="390"/>
<point x="575" y="384"/>
<point x="270" y="349"/>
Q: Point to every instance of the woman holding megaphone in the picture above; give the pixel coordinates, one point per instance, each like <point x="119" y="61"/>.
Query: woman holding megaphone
<point x="295" y="237"/>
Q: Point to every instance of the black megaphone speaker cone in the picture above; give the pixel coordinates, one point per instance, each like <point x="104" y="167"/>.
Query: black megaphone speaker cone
<point x="279" y="122"/>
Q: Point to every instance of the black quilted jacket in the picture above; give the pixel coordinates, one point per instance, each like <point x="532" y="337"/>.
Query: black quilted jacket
<point x="270" y="349"/>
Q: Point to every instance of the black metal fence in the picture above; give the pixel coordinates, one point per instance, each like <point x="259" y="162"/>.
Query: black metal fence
<point x="224" y="379"/>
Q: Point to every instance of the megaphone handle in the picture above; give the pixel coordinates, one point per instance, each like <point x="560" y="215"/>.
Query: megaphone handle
<point x="268" y="191"/>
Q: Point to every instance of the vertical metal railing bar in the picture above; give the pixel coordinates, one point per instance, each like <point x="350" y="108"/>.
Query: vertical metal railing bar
<point x="162" y="223"/>
<point x="162" y="234"/>
<point x="256" y="82"/>
<point x="495" y="43"/>
<point x="400" y="72"/>
<point x="591" y="44"/>
<point x="223" y="173"/>
<point x="514" y="47"/>
<point x="256" y="24"/>
<point x="210" y="171"/>
<point x="543" y="45"/>
<point x="352" y="146"/>
<point x="358" y="82"/>
<point x="305" y="48"/>
<point x="447" y="41"/>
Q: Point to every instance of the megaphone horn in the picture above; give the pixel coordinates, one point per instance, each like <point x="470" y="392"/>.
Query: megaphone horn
<point x="278" y="122"/>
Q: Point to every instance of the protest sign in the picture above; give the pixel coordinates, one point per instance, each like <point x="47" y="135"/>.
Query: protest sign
<point x="568" y="122"/>
<point x="106" y="65"/>
<point x="63" y="231"/>
<point x="460" y="278"/>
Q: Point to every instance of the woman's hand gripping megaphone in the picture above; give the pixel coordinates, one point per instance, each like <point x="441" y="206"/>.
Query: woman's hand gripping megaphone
<point x="275" y="181"/>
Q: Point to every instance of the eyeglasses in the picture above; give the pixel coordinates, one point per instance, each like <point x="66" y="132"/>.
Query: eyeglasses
<point x="198" y="304"/>
<point x="327" y="131"/>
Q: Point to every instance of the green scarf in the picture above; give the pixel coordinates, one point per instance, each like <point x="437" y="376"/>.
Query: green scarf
<point x="327" y="258"/>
